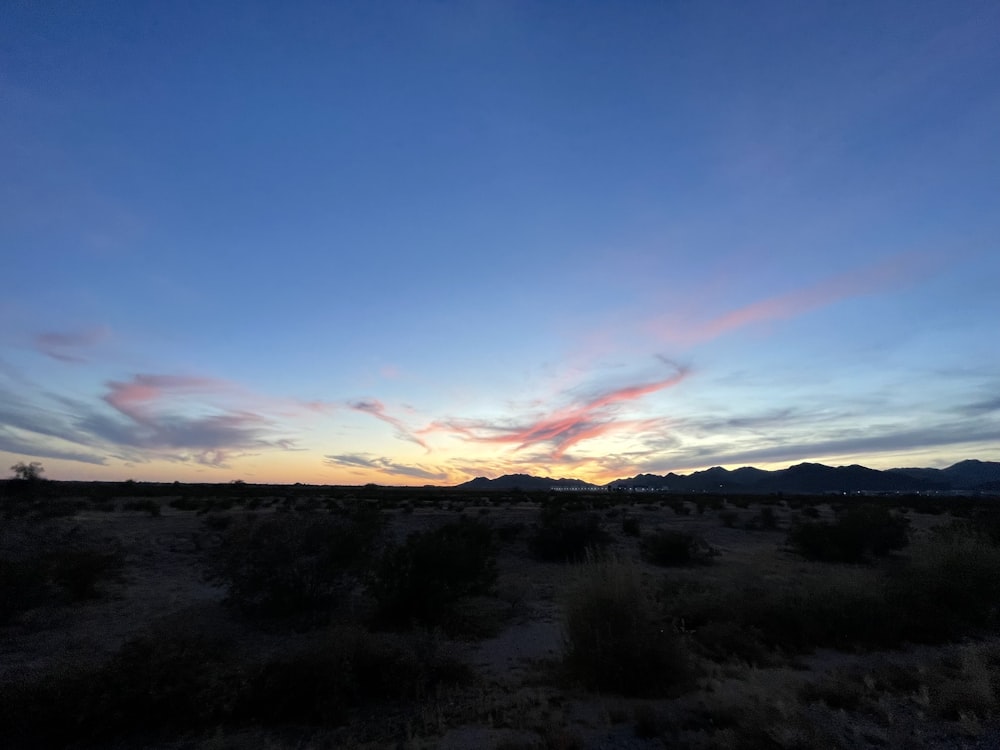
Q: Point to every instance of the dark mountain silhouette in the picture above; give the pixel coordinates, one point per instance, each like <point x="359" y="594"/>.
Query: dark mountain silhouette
<point x="965" y="476"/>
<point x="523" y="482"/>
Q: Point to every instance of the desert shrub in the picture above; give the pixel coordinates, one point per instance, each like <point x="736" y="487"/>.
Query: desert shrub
<point x="748" y="620"/>
<point x="508" y="532"/>
<point x="146" y="505"/>
<point x="668" y="547"/>
<point x="350" y="667"/>
<point x="155" y="682"/>
<point x="41" y="564"/>
<point x="949" y="585"/>
<point x="630" y="526"/>
<point x="766" y="519"/>
<point x="946" y="589"/>
<point x="79" y="569"/>
<point x="22" y="586"/>
<point x="289" y="565"/>
<point x="729" y="518"/>
<point x="858" y="533"/>
<point x="421" y="581"/>
<point x="164" y="683"/>
<point x="566" y="537"/>
<point x="218" y="521"/>
<point x="679" y="507"/>
<point x="615" y="639"/>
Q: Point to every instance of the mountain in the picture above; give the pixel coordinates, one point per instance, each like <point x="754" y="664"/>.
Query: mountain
<point x="804" y="478"/>
<point x="523" y="482"/>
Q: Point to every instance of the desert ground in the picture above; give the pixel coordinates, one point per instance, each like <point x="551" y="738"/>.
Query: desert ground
<point x="181" y="616"/>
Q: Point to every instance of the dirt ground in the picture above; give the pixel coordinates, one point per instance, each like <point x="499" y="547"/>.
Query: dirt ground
<point x="517" y="699"/>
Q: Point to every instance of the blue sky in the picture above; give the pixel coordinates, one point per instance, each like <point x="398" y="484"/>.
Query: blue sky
<point x="414" y="243"/>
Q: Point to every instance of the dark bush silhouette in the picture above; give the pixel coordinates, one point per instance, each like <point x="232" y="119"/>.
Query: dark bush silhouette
<point x="289" y="565"/>
<point x="42" y="565"/>
<point x="668" y="547"/>
<point x="564" y="536"/>
<point x="178" y="682"/>
<point x="421" y="581"/>
<point x="858" y="533"/>
<point x="615" y="638"/>
<point x="351" y="667"/>
<point x="153" y="683"/>
<point x="630" y="526"/>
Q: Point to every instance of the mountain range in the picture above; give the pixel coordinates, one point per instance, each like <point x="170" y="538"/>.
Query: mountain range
<point x="804" y="478"/>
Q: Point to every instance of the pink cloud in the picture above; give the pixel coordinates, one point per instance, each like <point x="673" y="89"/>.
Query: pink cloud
<point x="897" y="270"/>
<point x="133" y="398"/>
<point x="565" y="427"/>
<point x="67" y="346"/>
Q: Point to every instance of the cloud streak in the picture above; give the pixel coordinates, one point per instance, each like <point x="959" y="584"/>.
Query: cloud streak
<point x="68" y="346"/>
<point x="383" y="465"/>
<point x="377" y="409"/>
<point x="793" y="304"/>
<point x="566" y="427"/>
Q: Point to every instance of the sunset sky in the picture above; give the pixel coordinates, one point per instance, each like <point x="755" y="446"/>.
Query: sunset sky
<point x="418" y="242"/>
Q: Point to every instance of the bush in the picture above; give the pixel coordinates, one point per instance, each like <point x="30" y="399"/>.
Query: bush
<point x="78" y="570"/>
<point x="149" y="506"/>
<point x="729" y="518"/>
<point x="421" y="581"/>
<point x="291" y="566"/>
<point x="858" y="534"/>
<point x="630" y="526"/>
<point x="615" y="639"/>
<point x="566" y="537"/>
<point x="949" y="585"/>
<point x="22" y="586"/>
<point x="178" y="682"/>
<point x="43" y="564"/>
<point x="350" y="668"/>
<point x="669" y="548"/>
<point x="153" y="683"/>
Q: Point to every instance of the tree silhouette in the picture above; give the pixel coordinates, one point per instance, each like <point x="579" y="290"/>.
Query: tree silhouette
<point x="27" y="472"/>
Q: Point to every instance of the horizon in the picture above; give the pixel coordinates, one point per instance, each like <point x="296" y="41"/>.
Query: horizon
<point x="415" y="244"/>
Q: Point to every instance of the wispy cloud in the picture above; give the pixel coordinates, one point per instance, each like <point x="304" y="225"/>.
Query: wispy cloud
<point x="586" y="419"/>
<point x="384" y="465"/>
<point x="135" y="397"/>
<point x="14" y="443"/>
<point x="70" y="346"/>
<point x="377" y="409"/>
<point x="681" y="329"/>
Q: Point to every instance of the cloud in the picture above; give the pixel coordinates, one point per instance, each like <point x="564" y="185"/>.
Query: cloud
<point x="67" y="346"/>
<point x="153" y="416"/>
<point x="133" y="398"/>
<point x="377" y="409"/>
<point x="587" y="419"/>
<point x="13" y="443"/>
<point x="383" y="465"/>
<point x="680" y="330"/>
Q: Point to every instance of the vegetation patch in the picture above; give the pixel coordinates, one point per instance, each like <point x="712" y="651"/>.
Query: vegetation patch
<point x="667" y="547"/>
<point x="616" y="638"/>
<point x="290" y="565"/>
<point x="422" y="581"/>
<point x="858" y="534"/>
<point x="566" y="536"/>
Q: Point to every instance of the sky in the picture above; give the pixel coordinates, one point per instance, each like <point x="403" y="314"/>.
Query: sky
<point x="418" y="242"/>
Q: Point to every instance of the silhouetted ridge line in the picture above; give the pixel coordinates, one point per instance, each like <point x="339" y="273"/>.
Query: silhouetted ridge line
<point x="804" y="478"/>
